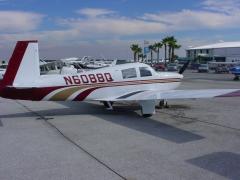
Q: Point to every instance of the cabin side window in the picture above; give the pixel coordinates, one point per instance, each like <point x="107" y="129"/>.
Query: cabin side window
<point x="145" y="71"/>
<point x="129" y="73"/>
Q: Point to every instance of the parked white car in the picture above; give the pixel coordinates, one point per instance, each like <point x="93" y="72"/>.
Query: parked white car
<point x="203" y="68"/>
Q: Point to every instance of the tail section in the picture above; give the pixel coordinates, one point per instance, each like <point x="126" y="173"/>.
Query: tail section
<point x="23" y="67"/>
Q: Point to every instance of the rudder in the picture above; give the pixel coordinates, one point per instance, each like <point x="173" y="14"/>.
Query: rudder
<point x="23" y="67"/>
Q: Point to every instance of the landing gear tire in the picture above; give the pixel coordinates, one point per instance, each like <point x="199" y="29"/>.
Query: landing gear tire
<point x="236" y="78"/>
<point x="161" y="104"/>
<point x="166" y="105"/>
<point x="146" y="115"/>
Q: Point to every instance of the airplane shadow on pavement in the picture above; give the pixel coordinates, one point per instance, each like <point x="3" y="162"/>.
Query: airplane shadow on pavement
<point x="126" y="116"/>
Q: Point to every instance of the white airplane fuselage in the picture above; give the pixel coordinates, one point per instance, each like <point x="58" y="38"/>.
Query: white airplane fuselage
<point x="106" y="82"/>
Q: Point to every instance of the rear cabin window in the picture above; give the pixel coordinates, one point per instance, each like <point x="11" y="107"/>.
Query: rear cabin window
<point x="145" y="71"/>
<point x="129" y="73"/>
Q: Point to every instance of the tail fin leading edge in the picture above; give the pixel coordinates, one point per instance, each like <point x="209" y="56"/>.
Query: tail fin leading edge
<point x="23" y="67"/>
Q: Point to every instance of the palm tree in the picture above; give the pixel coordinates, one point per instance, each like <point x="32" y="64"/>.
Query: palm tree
<point x="171" y="41"/>
<point x="172" y="45"/>
<point x="152" y="49"/>
<point x="142" y="56"/>
<point x="175" y="46"/>
<point x="165" y="43"/>
<point x="139" y="51"/>
<point x="136" y="50"/>
<point x="157" y="46"/>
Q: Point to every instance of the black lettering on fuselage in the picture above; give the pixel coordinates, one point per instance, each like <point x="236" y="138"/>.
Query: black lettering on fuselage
<point x="68" y="80"/>
<point x="86" y="79"/>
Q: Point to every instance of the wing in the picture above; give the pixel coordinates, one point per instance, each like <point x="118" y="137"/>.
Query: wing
<point x="175" y="94"/>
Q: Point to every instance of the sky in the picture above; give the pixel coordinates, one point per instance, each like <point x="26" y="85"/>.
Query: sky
<point x="107" y="28"/>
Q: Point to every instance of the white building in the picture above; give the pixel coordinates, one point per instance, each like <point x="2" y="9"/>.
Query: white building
<point x="220" y="52"/>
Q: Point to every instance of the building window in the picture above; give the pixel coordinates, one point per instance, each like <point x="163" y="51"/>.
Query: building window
<point x="145" y="71"/>
<point x="201" y="51"/>
<point x="207" y="51"/>
<point x="129" y="73"/>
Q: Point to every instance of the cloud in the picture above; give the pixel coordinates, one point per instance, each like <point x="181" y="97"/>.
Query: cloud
<point x="229" y="6"/>
<point x="213" y="14"/>
<point x="94" y="12"/>
<point x="189" y="19"/>
<point x="18" y="21"/>
<point x="105" y="25"/>
<point x="97" y="24"/>
<point x="111" y="26"/>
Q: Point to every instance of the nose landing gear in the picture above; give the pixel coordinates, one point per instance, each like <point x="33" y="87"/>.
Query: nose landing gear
<point x="163" y="104"/>
<point x="108" y="105"/>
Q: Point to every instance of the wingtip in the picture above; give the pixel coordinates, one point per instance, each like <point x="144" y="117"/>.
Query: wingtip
<point x="232" y="94"/>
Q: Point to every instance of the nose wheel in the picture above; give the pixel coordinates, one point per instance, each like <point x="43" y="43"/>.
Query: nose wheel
<point x="108" y="105"/>
<point x="236" y="78"/>
<point x="146" y="115"/>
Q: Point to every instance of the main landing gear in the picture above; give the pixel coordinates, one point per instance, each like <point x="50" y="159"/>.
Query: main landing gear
<point x="147" y="106"/>
<point x="162" y="104"/>
<point x="108" y="105"/>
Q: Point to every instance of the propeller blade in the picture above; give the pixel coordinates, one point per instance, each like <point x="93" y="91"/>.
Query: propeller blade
<point x="184" y="67"/>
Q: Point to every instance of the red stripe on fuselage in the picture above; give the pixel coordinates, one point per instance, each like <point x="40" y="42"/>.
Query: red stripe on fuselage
<point x="84" y="94"/>
<point x="37" y="94"/>
<point x="34" y="94"/>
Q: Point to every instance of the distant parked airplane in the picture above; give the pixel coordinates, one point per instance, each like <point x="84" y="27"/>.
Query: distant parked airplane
<point x="3" y="68"/>
<point x="128" y="82"/>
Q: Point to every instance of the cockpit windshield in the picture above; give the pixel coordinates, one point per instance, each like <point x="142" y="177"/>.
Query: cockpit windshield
<point x="145" y="71"/>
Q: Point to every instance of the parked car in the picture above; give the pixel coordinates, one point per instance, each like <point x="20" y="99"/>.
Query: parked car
<point x="172" y="67"/>
<point x="159" y="67"/>
<point x="221" y="69"/>
<point x="203" y="68"/>
<point x="194" y="66"/>
<point x="236" y="71"/>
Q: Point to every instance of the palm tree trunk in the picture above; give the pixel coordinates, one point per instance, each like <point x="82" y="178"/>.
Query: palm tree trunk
<point x="172" y="54"/>
<point x="158" y="55"/>
<point x="151" y="57"/>
<point x="169" y="53"/>
<point x="165" y="54"/>
<point x="135" y="54"/>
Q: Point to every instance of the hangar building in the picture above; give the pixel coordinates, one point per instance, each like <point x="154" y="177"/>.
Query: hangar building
<point x="219" y="52"/>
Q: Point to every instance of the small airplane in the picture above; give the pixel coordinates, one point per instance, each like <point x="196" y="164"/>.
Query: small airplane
<point x="136" y="82"/>
<point x="3" y="68"/>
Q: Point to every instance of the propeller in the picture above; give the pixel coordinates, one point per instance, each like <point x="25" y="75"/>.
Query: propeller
<point x="184" y="67"/>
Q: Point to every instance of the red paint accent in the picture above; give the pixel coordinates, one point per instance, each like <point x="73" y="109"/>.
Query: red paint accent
<point x="15" y="62"/>
<point x="34" y="94"/>
<point x="84" y="94"/>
